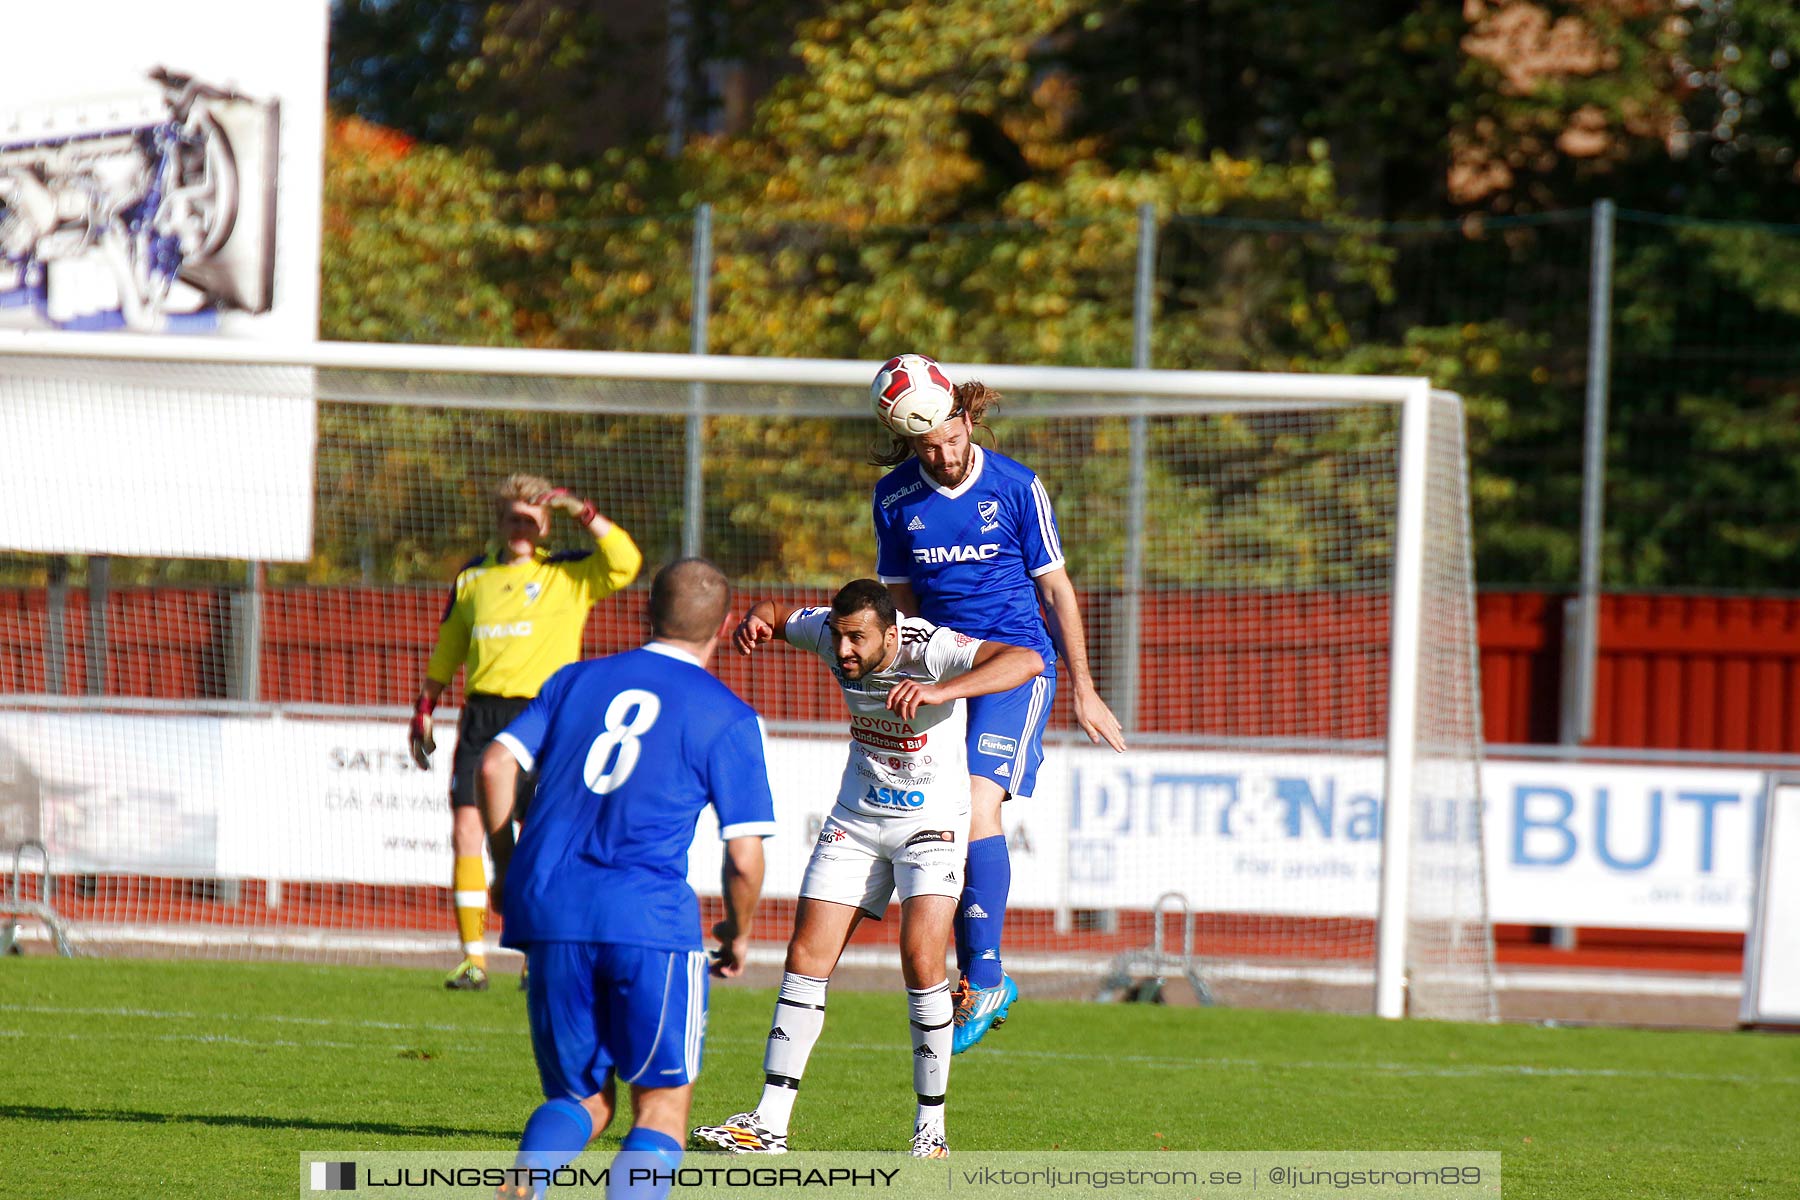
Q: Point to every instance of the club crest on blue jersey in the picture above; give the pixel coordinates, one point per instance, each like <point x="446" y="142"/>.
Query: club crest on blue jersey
<point x="973" y="551"/>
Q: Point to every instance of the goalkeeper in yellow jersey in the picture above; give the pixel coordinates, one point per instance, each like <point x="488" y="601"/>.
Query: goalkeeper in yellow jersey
<point x="514" y="618"/>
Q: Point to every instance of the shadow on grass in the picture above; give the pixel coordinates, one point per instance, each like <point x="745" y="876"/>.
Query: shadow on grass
<point x="48" y="1112"/>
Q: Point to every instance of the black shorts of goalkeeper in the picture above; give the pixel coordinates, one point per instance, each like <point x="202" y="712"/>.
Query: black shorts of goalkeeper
<point x="484" y="716"/>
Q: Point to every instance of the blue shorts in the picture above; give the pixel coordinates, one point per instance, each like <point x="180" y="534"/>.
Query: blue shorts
<point x="1006" y="734"/>
<point x="598" y="1009"/>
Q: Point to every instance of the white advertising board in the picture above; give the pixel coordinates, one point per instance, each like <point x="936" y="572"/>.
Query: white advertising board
<point x="105" y="793"/>
<point x="1277" y="835"/>
<point x="160" y="471"/>
<point x="1620" y="846"/>
<point x="161" y="178"/>
<point x="204" y="796"/>
<point x="161" y="164"/>
<point x="1566" y="844"/>
<point x="336" y="801"/>
<point x="1772" y="950"/>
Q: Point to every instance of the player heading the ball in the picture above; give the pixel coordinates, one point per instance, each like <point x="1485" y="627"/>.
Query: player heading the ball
<point x="967" y="537"/>
<point x="900" y="824"/>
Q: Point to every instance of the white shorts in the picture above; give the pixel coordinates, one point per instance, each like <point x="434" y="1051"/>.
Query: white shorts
<point x="862" y="860"/>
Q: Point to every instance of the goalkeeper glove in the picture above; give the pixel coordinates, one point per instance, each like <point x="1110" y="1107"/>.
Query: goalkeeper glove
<point x="418" y="734"/>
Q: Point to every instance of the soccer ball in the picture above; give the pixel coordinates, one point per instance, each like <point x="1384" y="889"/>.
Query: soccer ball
<point x="912" y="394"/>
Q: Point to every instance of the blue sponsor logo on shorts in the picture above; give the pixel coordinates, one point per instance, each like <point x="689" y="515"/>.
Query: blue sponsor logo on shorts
<point x="999" y="747"/>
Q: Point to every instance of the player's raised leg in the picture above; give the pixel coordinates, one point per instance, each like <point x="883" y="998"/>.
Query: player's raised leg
<point x="980" y="922"/>
<point x="987" y="993"/>
<point x="1006" y="748"/>
<point x="821" y="930"/>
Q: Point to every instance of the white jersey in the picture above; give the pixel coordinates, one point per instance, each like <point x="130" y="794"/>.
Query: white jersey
<point x="900" y="768"/>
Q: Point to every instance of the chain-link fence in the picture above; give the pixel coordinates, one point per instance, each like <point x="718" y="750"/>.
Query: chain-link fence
<point x="1695" y="488"/>
<point x="1630" y="379"/>
<point x="1704" y="322"/>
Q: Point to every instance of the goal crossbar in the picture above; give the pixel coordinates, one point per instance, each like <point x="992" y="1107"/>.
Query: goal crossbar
<point x="1290" y="387"/>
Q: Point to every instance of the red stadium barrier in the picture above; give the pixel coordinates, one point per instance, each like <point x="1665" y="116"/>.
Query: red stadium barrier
<point x="1675" y="672"/>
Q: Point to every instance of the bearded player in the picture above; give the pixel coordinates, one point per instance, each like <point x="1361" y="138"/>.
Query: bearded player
<point x="967" y="537"/>
<point x="900" y="824"/>
<point x="514" y="618"/>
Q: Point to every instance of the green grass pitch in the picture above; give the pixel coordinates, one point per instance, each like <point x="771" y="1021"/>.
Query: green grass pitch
<point x="126" y="1078"/>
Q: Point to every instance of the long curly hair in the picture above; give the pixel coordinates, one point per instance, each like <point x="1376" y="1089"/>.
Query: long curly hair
<point x="974" y="399"/>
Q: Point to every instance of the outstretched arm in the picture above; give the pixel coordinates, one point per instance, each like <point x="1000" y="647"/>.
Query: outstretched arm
<point x="766" y="621"/>
<point x="999" y="667"/>
<point x="1062" y="613"/>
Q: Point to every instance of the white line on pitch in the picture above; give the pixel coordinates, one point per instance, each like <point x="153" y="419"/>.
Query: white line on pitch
<point x="1596" y="981"/>
<point x="278" y="1018"/>
<point x="1411" y="1070"/>
<point x="204" y="1038"/>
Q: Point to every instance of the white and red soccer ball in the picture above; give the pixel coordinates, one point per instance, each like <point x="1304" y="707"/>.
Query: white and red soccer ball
<point x="912" y="394"/>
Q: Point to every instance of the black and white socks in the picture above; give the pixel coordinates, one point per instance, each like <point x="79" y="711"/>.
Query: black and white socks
<point x="930" y="1009"/>
<point x="799" y="1016"/>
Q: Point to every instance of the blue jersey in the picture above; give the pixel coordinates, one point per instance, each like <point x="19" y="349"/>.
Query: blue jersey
<point x="971" y="552"/>
<point x="628" y="749"/>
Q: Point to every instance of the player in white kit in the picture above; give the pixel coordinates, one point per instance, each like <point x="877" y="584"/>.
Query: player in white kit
<point x="900" y="824"/>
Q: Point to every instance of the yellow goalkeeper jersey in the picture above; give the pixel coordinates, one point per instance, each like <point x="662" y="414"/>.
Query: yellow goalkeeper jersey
<point x="513" y="625"/>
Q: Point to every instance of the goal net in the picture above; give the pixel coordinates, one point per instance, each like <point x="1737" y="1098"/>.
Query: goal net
<point x="207" y="755"/>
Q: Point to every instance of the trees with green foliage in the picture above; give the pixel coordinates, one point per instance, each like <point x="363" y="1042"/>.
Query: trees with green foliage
<point x="962" y="177"/>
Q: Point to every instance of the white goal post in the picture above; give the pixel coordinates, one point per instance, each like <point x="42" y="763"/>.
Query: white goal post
<point x="1277" y="572"/>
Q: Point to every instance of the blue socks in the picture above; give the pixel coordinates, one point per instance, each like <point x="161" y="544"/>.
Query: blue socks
<point x="555" y="1133"/>
<point x="559" y="1130"/>
<point x="648" y="1153"/>
<point x="981" y="913"/>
